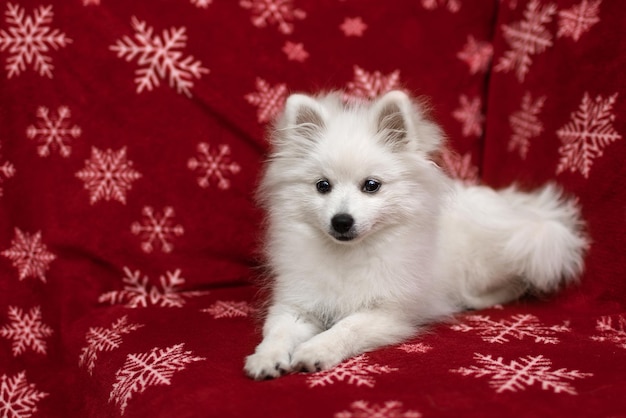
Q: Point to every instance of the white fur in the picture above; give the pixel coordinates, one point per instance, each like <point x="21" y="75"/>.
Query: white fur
<point x="422" y="247"/>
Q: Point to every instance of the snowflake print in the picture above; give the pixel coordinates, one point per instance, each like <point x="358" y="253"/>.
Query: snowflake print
<point x="104" y="339"/>
<point x="584" y="138"/>
<point x="28" y="40"/>
<point x="269" y="100"/>
<point x="53" y="132"/>
<point x="140" y="293"/>
<point x="525" y="124"/>
<point x="159" y="57"/>
<point x="578" y="19"/>
<point x="154" y="368"/>
<point x="522" y="373"/>
<point x="512" y="3"/>
<point x="281" y="13"/>
<point x="477" y="55"/>
<point x="229" y="309"/>
<point x="213" y="166"/>
<point x="201" y="3"/>
<point x="7" y="170"/>
<point x="459" y="167"/>
<point x="612" y="333"/>
<point x="356" y="371"/>
<point x="18" y="398"/>
<point x="390" y="409"/>
<point x="525" y="38"/>
<point x="420" y="348"/>
<point x="370" y="85"/>
<point x="295" y="52"/>
<point x="29" y="255"/>
<point x="26" y="331"/>
<point x="353" y="26"/>
<point x="470" y="115"/>
<point x="452" y="5"/>
<point x="518" y="326"/>
<point x="108" y="175"/>
<point x="157" y="230"/>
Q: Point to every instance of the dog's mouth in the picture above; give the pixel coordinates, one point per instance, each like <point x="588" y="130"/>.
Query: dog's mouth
<point x="343" y="237"/>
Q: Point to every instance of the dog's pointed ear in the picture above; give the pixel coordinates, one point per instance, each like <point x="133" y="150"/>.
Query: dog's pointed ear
<point x="304" y="114"/>
<point x="402" y="123"/>
<point x="391" y="118"/>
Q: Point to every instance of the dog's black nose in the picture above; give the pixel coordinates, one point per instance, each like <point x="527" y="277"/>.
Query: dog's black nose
<point x="342" y="222"/>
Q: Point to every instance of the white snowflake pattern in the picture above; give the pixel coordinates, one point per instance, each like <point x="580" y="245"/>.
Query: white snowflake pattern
<point x="584" y="138"/>
<point x="525" y="38"/>
<point x="518" y="326"/>
<point x="7" y="170"/>
<point x="53" y="132"/>
<point x="154" y="368"/>
<point x="411" y="348"/>
<point x="521" y="373"/>
<point x="366" y="85"/>
<point x="159" y="57"/>
<point x="29" y="39"/>
<point x="281" y="13"/>
<point x="229" y="309"/>
<point x="201" y="3"/>
<point x="459" y="167"/>
<point x="213" y="165"/>
<point x="356" y="371"/>
<point x="269" y="100"/>
<point x="353" y="26"/>
<point x="295" y="51"/>
<point x="26" y="330"/>
<point x="477" y="55"/>
<point x="390" y="409"/>
<point x="108" y="175"/>
<point x="452" y="5"/>
<point x="470" y="115"/>
<point x="578" y="19"/>
<point x="104" y="339"/>
<point x="140" y="293"/>
<point x="525" y="124"/>
<point x="612" y="333"/>
<point x="157" y="229"/>
<point x="18" y="398"/>
<point x="29" y="255"/>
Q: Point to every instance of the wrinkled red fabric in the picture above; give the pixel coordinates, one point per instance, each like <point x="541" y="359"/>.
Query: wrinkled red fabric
<point x="131" y="139"/>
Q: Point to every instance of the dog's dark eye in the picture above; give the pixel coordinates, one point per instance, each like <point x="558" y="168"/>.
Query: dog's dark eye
<point x="371" y="186"/>
<point x="323" y="186"/>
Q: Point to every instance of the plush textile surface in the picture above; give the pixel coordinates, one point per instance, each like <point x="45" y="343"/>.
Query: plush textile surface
<point x="558" y="113"/>
<point x="131" y="138"/>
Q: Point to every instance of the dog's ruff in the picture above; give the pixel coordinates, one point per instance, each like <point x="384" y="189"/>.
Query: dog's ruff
<point x="367" y="239"/>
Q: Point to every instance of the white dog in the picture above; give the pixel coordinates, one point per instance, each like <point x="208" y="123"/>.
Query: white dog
<point x="367" y="239"/>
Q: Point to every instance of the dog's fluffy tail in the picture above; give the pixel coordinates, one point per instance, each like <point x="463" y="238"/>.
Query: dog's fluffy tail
<point x="547" y="246"/>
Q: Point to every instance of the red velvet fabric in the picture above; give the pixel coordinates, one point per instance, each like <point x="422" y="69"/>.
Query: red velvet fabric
<point x="131" y="138"/>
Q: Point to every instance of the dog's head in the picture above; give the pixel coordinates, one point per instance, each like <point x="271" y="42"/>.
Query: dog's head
<point x="350" y="169"/>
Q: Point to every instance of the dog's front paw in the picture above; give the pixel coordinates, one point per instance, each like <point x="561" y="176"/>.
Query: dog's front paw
<point x="314" y="357"/>
<point x="267" y="365"/>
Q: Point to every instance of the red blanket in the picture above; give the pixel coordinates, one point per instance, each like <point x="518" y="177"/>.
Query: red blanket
<point x="131" y="137"/>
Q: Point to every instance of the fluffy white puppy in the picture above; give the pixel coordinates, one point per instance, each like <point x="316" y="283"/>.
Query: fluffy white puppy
<point x="367" y="238"/>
